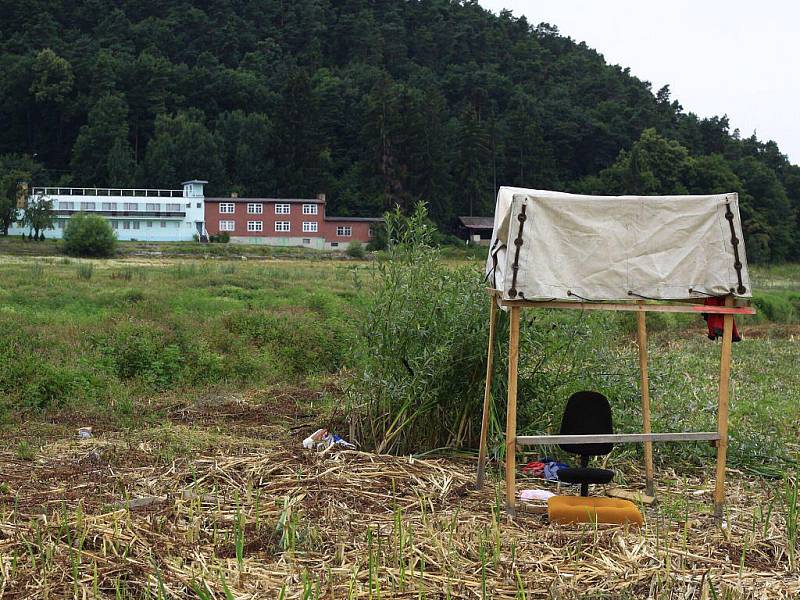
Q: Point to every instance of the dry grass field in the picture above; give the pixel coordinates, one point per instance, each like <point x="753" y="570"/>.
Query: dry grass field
<point x="194" y="485"/>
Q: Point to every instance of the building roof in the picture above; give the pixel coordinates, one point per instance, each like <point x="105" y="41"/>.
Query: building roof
<point x="278" y="200"/>
<point x="203" y="181"/>
<point x="477" y="222"/>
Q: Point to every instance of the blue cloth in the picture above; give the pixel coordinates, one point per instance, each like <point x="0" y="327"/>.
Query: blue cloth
<point x="551" y="470"/>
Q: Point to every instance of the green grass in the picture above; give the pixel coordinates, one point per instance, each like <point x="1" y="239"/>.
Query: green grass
<point x="88" y="335"/>
<point x="16" y="246"/>
<point x="108" y="338"/>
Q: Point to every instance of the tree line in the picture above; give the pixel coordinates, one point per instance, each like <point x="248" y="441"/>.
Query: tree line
<point x="375" y="102"/>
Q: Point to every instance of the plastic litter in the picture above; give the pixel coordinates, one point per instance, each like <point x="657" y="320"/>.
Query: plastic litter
<point x="315" y="439"/>
<point x="85" y="432"/>
<point x="535" y="494"/>
<point x="322" y="439"/>
<point x="335" y="440"/>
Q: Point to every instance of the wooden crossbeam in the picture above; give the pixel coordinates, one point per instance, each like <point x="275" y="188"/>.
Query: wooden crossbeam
<point x="617" y="438"/>
<point x="621" y="306"/>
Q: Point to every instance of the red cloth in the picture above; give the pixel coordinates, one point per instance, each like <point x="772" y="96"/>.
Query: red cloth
<point x="716" y="321"/>
<point x="534" y="468"/>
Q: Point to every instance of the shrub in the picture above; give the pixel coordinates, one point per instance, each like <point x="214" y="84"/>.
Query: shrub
<point x="420" y="385"/>
<point x="425" y="343"/>
<point x="355" y="249"/>
<point x="306" y="344"/>
<point x="89" y="235"/>
<point x="778" y="307"/>
<point x="136" y="350"/>
<point x="221" y="238"/>
<point x="31" y="380"/>
<point x="85" y="270"/>
<point x="380" y="239"/>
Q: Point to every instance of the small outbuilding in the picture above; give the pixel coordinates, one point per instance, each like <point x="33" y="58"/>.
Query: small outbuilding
<point x="476" y="230"/>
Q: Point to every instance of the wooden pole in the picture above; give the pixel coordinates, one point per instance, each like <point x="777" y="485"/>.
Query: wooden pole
<point x="641" y="338"/>
<point x="487" y="393"/>
<point x="511" y="412"/>
<point x="722" y="411"/>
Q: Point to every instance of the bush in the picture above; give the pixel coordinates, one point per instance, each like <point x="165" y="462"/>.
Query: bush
<point x="423" y="364"/>
<point x="355" y="249"/>
<point x="305" y="343"/>
<point x="85" y="270"/>
<point x="29" y="379"/>
<point x="89" y="235"/>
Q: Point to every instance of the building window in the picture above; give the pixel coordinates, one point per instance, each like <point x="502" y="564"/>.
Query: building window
<point x="199" y="205"/>
<point x="255" y="208"/>
<point x="306" y="240"/>
<point x="163" y="224"/>
<point x="344" y="231"/>
<point x="136" y="224"/>
<point x="149" y="224"/>
<point x="109" y="206"/>
<point x="227" y="225"/>
<point x="87" y="205"/>
<point x="282" y="225"/>
<point x="334" y="244"/>
<point x="371" y="232"/>
<point x="115" y="225"/>
<point x="130" y="206"/>
<point x="255" y="226"/>
<point x="174" y="208"/>
<point x="310" y="209"/>
<point x="66" y="205"/>
<point x="60" y="223"/>
<point x="189" y="205"/>
<point x="310" y="226"/>
<point x="153" y="207"/>
<point x="283" y="209"/>
<point x="226" y="208"/>
<point x="126" y="224"/>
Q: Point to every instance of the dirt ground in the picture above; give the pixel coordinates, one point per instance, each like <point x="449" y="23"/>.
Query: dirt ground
<point x="221" y="501"/>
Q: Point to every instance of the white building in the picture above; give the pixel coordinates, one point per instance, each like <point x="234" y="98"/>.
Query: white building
<point x="135" y="214"/>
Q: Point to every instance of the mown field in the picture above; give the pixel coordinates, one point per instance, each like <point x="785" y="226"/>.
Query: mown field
<point x="201" y="377"/>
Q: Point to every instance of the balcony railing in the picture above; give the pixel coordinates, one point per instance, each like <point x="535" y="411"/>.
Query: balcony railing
<point x="131" y="192"/>
<point x="123" y="213"/>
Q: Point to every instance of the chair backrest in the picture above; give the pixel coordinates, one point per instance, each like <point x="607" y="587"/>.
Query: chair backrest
<point x="587" y="413"/>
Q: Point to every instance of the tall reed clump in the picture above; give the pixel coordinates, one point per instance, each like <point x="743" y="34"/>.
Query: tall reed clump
<point x="420" y="385"/>
<point x="424" y="345"/>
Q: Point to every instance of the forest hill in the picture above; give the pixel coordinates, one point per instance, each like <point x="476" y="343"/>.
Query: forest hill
<point x="375" y="103"/>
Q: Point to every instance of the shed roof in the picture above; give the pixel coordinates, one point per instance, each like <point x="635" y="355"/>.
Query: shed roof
<point x="477" y="222"/>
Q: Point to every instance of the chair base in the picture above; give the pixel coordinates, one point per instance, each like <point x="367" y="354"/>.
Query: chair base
<point x="579" y="509"/>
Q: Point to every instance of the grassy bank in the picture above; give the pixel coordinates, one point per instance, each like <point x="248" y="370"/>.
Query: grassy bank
<point x="16" y="246"/>
<point x="119" y="340"/>
<point x="94" y="336"/>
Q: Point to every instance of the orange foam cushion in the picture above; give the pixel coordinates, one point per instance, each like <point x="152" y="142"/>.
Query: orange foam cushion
<point x="580" y="509"/>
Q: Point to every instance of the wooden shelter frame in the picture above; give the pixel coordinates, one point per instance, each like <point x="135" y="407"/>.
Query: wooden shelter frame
<point x="718" y="438"/>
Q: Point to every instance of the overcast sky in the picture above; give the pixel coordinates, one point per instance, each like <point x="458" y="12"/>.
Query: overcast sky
<point x="734" y="57"/>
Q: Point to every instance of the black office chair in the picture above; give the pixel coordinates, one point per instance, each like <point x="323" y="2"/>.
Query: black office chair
<point x="586" y="413"/>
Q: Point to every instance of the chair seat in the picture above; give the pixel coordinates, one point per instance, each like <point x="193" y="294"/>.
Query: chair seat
<point x="580" y="509"/>
<point x="585" y="475"/>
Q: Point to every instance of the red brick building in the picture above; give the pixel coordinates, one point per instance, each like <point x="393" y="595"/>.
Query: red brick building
<point x="285" y="222"/>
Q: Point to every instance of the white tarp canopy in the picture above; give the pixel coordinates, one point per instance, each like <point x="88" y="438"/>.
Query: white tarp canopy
<point x="577" y="248"/>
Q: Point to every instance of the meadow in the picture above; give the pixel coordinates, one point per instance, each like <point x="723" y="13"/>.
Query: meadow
<point x="200" y="377"/>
